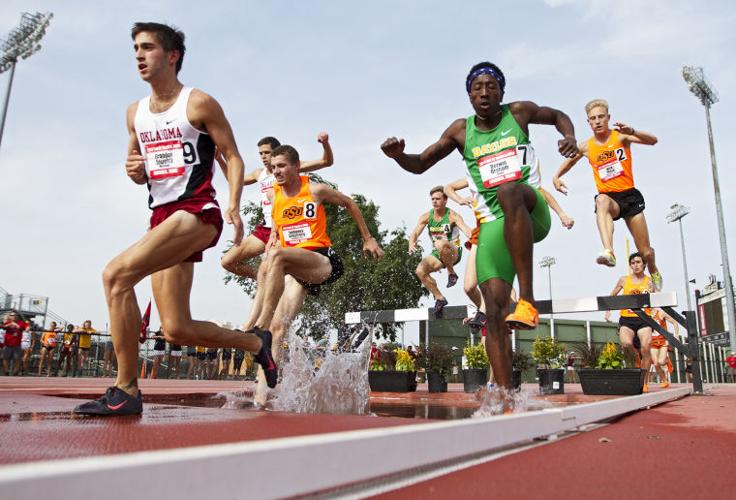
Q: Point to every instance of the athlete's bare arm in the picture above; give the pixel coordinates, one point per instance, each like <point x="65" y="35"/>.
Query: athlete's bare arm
<point x="616" y="290"/>
<point x="567" y="164"/>
<point x="205" y="111"/>
<point x="552" y="202"/>
<point x="629" y="135"/>
<point x="459" y="222"/>
<point x="327" y="157"/>
<point x="451" y="192"/>
<point x="526" y="112"/>
<point x="414" y="236"/>
<point x="323" y="193"/>
<point x="135" y="165"/>
<point x="451" y="139"/>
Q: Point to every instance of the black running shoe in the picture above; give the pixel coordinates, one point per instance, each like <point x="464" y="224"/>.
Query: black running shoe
<point x="114" y="402"/>
<point x="451" y="280"/>
<point x="478" y="321"/>
<point x="439" y="305"/>
<point x="265" y="358"/>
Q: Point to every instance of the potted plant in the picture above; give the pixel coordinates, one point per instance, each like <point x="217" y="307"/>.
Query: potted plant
<point x="392" y="370"/>
<point x="549" y="355"/>
<point x="476" y="373"/>
<point x="436" y="359"/>
<point x="520" y="362"/>
<point x="610" y="377"/>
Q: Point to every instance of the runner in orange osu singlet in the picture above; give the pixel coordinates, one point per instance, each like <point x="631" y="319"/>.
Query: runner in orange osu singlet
<point x="609" y="155"/>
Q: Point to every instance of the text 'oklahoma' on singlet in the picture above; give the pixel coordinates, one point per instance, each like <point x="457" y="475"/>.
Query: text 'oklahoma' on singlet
<point x="179" y="158"/>
<point x="611" y="163"/>
<point x="443" y="229"/>
<point x="266" y="181"/>
<point x="495" y="157"/>
<point x="300" y="220"/>
<point x="631" y="288"/>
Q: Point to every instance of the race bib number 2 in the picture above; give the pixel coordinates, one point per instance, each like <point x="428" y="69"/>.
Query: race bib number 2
<point x="165" y="159"/>
<point x="499" y="168"/>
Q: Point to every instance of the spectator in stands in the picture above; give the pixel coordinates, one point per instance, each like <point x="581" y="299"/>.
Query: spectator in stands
<point x="12" y="352"/>
<point x="174" y="359"/>
<point x="48" y="344"/>
<point x="27" y="343"/>
<point x="159" y="350"/>
<point x="238" y="358"/>
<point x="731" y="364"/>
<point x="570" y="372"/>
<point x="84" y="343"/>
<point x="68" y="351"/>
<point x="226" y="354"/>
<point x="193" y="362"/>
<point x="211" y="369"/>
<point x="108" y="355"/>
<point x="201" y="370"/>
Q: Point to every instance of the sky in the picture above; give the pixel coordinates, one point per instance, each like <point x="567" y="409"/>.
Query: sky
<point x="362" y="72"/>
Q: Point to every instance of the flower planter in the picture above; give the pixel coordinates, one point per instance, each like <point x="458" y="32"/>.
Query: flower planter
<point x="474" y="378"/>
<point x="392" y="381"/>
<point x="625" y="382"/>
<point x="551" y="380"/>
<point x="516" y="379"/>
<point x="436" y="382"/>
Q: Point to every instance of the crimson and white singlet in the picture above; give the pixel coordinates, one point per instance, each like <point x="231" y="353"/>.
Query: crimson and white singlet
<point x="265" y="181"/>
<point x="179" y="158"/>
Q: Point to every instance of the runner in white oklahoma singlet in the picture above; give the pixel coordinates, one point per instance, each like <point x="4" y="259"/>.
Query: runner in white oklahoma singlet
<point x="179" y="158"/>
<point x="266" y="180"/>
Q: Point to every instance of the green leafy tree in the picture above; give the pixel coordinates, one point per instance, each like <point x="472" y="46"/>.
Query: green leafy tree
<point x="366" y="284"/>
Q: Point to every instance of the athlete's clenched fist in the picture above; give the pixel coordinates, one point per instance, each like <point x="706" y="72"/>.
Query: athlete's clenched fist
<point x="393" y="147"/>
<point x="135" y="167"/>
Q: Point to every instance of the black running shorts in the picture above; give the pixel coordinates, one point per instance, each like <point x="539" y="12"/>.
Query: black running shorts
<point x="630" y="202"/>
<point x="337" y="270"/>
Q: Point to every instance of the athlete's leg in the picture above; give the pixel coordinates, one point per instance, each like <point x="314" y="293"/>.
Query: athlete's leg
<point x="496" y="293"/>
<point x="471" y="280"/>
<point x="447" y="253"/>
<point x="658" y="364"/>
<point x="626" y="338"/>
<point x="234" y="259"/>
<point x="645" y="338"/>
<point x="637" y="225"/>
<point x="517" y="201"/>
<point x="606" y="209"/>
<point x="305" y="265"/>
<point x="257" y="307"/>
<point x="428" y="265"/>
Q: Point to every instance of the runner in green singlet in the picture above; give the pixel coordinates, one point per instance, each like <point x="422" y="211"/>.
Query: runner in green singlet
<point x="443" y="225"/>
<point x="494" y="143"/>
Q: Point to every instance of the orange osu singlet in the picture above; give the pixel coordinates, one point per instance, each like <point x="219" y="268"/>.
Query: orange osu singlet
<point x="631" y="288"/>
<point x="611" y="163"/>
<point x="300" y="220"/>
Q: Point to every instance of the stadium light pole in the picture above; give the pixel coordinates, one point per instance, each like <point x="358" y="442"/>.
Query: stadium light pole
<point x="704" y="91"/>
<point x="676" y="215"/>
<point x="21" y="43"/>
<point x="548" y="262"/>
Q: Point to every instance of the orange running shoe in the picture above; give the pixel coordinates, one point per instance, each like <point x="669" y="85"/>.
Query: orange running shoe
<point x="524" y="317"/>
<point x="645" y="389"/>
<point x="665" y="384"/>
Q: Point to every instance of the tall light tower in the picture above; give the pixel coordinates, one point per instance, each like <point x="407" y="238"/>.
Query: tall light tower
<point x="704" y="91"/>
<point x="548" y="262"/>
<point x="21" y="43"/>
<point x="676" y="215"/>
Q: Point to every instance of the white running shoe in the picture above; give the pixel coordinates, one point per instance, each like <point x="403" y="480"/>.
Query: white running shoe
<point x="606" y="258"/>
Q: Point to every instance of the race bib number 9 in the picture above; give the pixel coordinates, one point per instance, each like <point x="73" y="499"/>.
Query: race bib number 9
<point x="296" y="233"/>
<point x="165" y="159"/>
<point x="499" y="168"/>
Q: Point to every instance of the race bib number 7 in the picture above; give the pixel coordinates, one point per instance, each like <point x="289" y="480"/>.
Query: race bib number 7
<point x="165" y="159"/>
<point x="499" y="168"/>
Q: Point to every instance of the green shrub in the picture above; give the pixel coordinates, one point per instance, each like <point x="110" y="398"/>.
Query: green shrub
<point x="476" y="356"/>
<point x="611" y="357"/>
<point x="548" y="353"/>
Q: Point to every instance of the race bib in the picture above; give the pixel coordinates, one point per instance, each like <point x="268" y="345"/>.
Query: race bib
<point x="165" y="159"/>
<point x="610" y="170"/>
<point x="499" y="168"/>
<point x="51" y="341"/>
<point x="296" y="233"/>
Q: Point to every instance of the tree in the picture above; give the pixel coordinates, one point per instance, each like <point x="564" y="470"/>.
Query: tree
<point x="366" y="285"/>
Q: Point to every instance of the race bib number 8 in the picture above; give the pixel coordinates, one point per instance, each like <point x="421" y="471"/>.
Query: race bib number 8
<point x="499" y="168"/>
<point x="165" y="159"/>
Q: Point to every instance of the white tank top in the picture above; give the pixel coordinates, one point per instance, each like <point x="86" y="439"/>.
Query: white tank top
<point x="179" y="158"/>
<point x="480" y="210"/>
<point x="265" y="181"/>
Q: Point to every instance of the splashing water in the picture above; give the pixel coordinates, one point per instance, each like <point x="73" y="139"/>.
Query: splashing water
<point x="312" y="382"/>
<point x="235" y="400"/>
<point x="497" y="400"/>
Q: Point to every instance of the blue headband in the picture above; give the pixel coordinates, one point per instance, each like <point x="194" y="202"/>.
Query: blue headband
<point x="485" y="71"/>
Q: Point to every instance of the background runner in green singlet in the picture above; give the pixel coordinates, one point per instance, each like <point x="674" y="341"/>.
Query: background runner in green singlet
<point x="495" y="145"/>
<point x="443" y="225"/>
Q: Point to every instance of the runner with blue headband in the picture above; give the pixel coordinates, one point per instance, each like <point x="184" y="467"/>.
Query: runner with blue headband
<point x="500" y="160"/>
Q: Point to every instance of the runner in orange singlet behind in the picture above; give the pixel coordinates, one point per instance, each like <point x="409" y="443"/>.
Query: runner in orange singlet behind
<point x="659" y="347"/>
<point x="609" y="155"/>
<point x="629" y="323"/>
